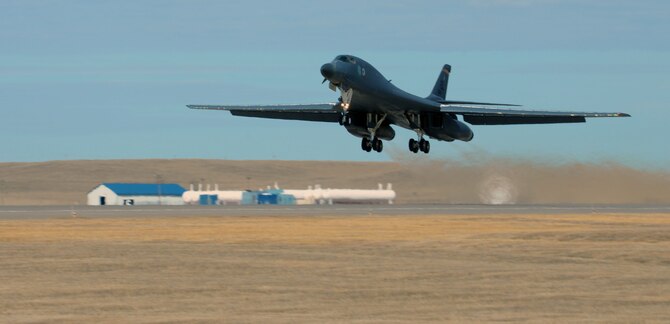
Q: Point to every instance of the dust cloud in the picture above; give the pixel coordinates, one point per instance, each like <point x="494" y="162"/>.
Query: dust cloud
<point x="483" y="178"/>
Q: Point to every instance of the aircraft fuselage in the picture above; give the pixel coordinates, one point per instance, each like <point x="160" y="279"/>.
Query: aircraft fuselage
<point x="366" y="93"/>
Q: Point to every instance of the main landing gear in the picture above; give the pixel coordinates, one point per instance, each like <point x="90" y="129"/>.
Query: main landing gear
<point x="375" y="144"/>
<point x="420" y="145"/>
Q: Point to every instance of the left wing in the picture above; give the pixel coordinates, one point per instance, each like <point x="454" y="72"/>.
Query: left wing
<point x="480" y="115"/>
<point x="323" y="112"/>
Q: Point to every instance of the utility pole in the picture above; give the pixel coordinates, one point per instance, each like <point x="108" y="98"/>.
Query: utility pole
<point x="159" y="181"/>
<point x="2" y="192"/>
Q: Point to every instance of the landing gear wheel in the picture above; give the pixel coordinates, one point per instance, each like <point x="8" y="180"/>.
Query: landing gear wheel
<point x="413" y="145"/>
<point x="377" y="145"/>
<point x="366" y="145"/>
<point x="424" y="146"/>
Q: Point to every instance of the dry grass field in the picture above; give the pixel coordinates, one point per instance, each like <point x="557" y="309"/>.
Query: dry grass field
<point x="286" y="269"/>
<point x="422" y="180"/>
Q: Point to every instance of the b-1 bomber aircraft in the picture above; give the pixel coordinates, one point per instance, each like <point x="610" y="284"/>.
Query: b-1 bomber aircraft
<point x="369" y="104"/>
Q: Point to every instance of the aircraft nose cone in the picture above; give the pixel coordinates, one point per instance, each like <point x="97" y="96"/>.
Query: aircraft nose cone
<point x="327" y="70"/>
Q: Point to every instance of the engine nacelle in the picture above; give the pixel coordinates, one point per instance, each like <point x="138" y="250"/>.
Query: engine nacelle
<point x="446" y="128"/>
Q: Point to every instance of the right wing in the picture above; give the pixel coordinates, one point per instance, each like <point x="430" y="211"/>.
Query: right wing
<point x="459" y="102"/>
<point x="483" y="115"/>
<point x="322" y="112"/>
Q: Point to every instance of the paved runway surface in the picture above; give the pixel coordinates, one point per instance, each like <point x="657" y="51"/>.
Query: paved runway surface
<point x="44" y="212"/>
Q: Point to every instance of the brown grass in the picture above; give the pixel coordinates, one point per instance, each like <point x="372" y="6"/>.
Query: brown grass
<point x="460" y="268"/>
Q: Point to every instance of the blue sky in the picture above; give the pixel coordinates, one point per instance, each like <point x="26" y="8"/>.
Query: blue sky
<point x="110" y="80"/>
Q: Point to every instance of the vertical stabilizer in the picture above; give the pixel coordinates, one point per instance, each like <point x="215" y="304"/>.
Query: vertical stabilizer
<point x="440" y="89"/>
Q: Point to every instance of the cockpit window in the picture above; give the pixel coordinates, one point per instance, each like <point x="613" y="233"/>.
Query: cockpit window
<point x="345" y="58"/>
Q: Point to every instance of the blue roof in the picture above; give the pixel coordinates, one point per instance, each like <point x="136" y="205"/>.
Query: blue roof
<point x="145" y="189"/>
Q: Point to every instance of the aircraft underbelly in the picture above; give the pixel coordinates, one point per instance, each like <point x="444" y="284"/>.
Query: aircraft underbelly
<point x="395" y="114"/>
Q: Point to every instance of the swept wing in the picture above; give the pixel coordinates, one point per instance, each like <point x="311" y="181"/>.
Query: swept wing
<point x="323" y="112"/>
<point x="486" y="115"/>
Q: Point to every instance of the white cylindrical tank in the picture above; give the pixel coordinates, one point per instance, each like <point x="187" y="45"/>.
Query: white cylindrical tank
<point x="224" y="196"/>
<point x="343" y="195"/>
<point x="191" y="196"/>
<point x="229" y="197"/>
<point x="358" y="195"/>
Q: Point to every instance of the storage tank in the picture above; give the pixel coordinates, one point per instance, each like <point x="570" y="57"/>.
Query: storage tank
<point x="224" y="196"/>
<point x="322" y="196"/>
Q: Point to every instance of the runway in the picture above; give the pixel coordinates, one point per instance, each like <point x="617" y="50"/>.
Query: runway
<point x="46" y="212"/>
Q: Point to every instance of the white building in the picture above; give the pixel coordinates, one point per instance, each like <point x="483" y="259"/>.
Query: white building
<point x="136" y="194"/>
